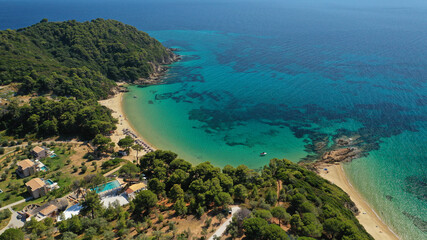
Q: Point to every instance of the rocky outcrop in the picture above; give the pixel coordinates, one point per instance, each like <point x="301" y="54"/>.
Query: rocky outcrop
<point x="159" y="69"/>
<point x="352" y="207"/>
<point x="340" y="155"/>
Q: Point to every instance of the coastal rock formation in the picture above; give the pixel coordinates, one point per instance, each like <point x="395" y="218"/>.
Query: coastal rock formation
<point x="352" y="207"/>
<point x="340" y="155"/>
<point x="159" y="69"/>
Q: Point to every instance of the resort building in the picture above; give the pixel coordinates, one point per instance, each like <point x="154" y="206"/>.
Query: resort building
<point x="39" y="152"/>
<point x="49" y="211"/>
<point x="134" y="189"/>
<point x="26" y="168"/>
<point x="36" y="187"/>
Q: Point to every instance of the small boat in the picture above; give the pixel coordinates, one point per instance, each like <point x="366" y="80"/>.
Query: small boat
<point x="263" y="154"/>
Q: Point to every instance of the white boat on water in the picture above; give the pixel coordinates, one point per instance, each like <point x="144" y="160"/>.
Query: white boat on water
<point x="263" y="154"/>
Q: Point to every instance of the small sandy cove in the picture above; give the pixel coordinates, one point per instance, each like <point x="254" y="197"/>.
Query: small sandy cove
<point x="335" y="174"/>
<point x="115" y="103"/>
<point x="367" y="217"/>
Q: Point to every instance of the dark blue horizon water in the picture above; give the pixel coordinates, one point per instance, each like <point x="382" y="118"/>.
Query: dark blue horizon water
<point x="286" y="77"/>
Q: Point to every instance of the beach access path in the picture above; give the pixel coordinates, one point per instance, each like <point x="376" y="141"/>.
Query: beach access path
<point x="223" y="226"/>
<point x="367" y="216"/>
<point x="112" y="171"/>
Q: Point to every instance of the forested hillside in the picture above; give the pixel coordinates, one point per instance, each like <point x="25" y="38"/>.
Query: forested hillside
<point x="44" y="117"/>
<point x="78" y="59"/>
<point x="283" y="201"/>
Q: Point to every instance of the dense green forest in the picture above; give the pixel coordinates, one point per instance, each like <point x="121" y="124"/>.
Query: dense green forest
<point x="44" y="117"/>
<point x="308" y="205"/>
<point x="77" y="59"/>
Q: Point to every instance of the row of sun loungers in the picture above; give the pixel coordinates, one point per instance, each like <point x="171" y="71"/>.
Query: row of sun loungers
<point x="146" y="147"/>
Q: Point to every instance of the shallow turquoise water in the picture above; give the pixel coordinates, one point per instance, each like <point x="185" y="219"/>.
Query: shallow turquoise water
<point x="210" y="110"/>
<point x="384" y="178"/>
<point x="281" y="77"/>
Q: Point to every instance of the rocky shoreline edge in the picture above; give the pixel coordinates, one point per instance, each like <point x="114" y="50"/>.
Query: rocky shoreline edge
<point x="156" y="77"/>
<point x="344" y="149"/>
<point x="159" y="69"/>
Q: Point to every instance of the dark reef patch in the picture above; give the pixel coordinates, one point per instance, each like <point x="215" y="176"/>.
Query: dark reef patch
<point x="221" y="111"/>
<point x="418" y="222"/>
<point x="379" y="120"/>
<point x="417" y="186"/>
<point x="271" y="132"/>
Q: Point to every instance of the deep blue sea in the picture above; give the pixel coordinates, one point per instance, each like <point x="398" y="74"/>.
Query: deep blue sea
<point x="286" y="77"/>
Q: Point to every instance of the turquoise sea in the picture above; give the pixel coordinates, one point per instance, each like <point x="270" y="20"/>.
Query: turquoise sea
<point x="285" y="77"/>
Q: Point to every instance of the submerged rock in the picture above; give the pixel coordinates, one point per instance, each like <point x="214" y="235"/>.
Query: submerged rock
<point x="390" y="198"/>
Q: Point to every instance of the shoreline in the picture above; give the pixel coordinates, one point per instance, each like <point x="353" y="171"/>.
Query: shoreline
<point x="367" y="217"/>
<point x="115" y="103"/>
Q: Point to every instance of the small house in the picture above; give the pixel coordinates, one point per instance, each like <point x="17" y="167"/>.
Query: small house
<point x="36" y="187"/>
<point x="49" y="211"/>
<point x="39" y="152"/>
<point x="134" y="189"/>
<point x="26" y="168"/>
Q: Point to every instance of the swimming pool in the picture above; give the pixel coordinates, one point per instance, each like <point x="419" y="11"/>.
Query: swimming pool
<point x="50" y="182"/>
<point x="106" y="186"/>
<point x="44" y="168"/>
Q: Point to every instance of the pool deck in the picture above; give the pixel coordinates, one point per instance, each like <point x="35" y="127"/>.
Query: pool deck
<point x="110" y="200"/>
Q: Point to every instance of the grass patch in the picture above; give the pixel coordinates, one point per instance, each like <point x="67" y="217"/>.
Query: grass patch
<point x="59" y="161"/>
<point x="5" y="216"/>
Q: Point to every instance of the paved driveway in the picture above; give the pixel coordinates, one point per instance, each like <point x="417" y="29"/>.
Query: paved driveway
<point x="14" y="222"/>
<point x="223" y="226"/>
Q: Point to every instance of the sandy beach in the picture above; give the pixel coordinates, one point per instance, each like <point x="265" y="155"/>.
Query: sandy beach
<point x="115" y="103"/>
<point x="335" y="174"/>
<point x="367" y="217"/>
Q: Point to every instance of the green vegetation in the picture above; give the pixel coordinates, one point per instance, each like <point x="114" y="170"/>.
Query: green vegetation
<point x="77" y="59"/>
<point x="59" y="170"/>
<point x="281" y="196"/>
<point x="111" y="164"/>
<point x="126" y="143"/>
<point x="12" y="234"/>
<point x="43" y="117"/>
<point x="5" y="216"/>
<point x="310" y="200"/>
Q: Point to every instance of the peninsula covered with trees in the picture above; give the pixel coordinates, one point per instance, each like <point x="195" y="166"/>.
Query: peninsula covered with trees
<point x="78" y="59"/>
<point x="78" y="62"/>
